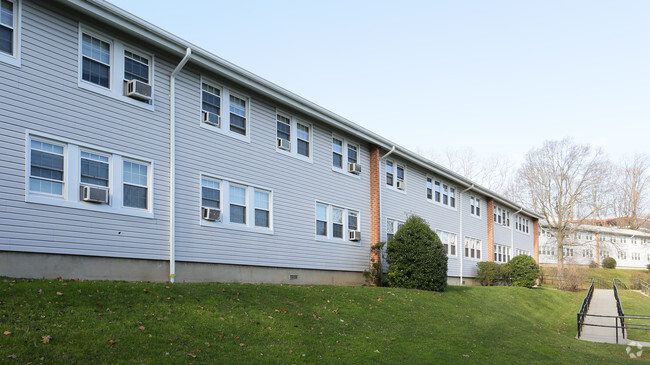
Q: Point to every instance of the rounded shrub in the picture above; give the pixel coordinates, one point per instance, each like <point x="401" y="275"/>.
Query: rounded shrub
<point x="609" y="263"/>
<point x="523" y="271"/>
<point x="489" y="273"/>
<point x="416" y="258"/>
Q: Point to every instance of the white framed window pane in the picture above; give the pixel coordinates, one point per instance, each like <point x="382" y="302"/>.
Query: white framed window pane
<point x="210" y="194"/>
<point x="352" y="154"/>
<point x="237" y="195"/>
<point x="261" y="218"/>
<point x="261" y="200"/>
<point x="337" y="215"/>
<point x="337" y="153"/>
<point x="237" y="214"/>
<point x="134" y="173"/>
<point x="136" y="67"/>
<point x="211" y="99"/>
<point x="46" y="168"/>
<point x="353" y="221"/>
<point x="237" y="115"/>
<point x="96" y="60"/>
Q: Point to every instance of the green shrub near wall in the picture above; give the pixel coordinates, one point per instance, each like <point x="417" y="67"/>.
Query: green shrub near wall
<point x="523" y="271"/>
<point x="416" y="257"/>
<point x="609" y="263"/>
<point x="489" y="273"/>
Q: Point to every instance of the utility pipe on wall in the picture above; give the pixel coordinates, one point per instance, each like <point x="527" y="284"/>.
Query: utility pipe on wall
<point x="461" y="242"/>
<point x="380" y="199"/>
<point x="172" y="164"/>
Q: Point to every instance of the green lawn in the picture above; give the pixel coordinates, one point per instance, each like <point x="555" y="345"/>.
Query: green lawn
<point x="610" y="274"/>
<point x="636" y="303"/>
<point x="121" y="322"/>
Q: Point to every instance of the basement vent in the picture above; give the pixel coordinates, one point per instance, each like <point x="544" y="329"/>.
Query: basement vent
<point x="293" y="277"/>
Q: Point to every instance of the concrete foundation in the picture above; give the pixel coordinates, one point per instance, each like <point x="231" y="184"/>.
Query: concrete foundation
<point x="50" y="266"/>
<point x="455" y="281"/>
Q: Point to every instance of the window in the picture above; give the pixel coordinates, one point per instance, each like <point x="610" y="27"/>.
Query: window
<point x="210" y="193"/>
<point x="334" y="222"/>
<point x="135" y="182"/>
<point x="522" y="225"/>
<point x="443" y="194"/>
<point x="353" y="220"/>
<point x="473" y="248"/>
<point x="429" y="188"/>
<point x="262" y="210"/>
<point x="245" y="207"/>
<point x="46" y="170"/>
<point x="519" y="251"/>
<point x="395" y="173"/>
<point x="344" y="153"/>
<point x="448" y="242"/>
<point x="502" y="253"/>
<point x="389" y="173"/>
<point x="321" y="220"/>
<point x="211" y="104"/>
<point x="94" y="168"/>
<point x="293" y="137"/>
<point x="337" y="153"/>
<point x="136" y="67"/>
<point x="237" y="204"/>
<point x="9" y="31"/>
<point x="501" y="216"/>
<point x="96" y="60"/>
<point x="475" y="206"/>
<point x="237" y="115"/>
<point x="232" y="118"/>
<point x="106" y="66"/>
<point x="392" y="226"/>
<point x="58" y="171"/>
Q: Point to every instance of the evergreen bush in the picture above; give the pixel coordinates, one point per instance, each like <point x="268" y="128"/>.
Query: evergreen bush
<point x="416" y="258"/>
<point x="609" y="263"/>
<point x="523" y="271"/>
<point x="489" y="273"/>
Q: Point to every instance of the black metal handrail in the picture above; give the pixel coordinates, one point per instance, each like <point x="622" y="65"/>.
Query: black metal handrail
<point x="619" y="307"/>
<point x="584" y="308"/>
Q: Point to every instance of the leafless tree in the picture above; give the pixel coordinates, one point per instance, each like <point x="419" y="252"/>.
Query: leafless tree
<point x="559" y="180"/>
<point x="631" y="190"/>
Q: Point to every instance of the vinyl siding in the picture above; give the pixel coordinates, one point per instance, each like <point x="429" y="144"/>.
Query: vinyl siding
<point x="42" y="96"/>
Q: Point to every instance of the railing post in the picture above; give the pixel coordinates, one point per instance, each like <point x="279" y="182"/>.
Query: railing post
<point x="617" y="329"/>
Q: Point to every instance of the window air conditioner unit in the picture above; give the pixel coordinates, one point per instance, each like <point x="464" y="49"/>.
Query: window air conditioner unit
<point x="354" y="235"/>
<point x="211" y="214"/>
<point x="95" y="194"/>
<point x="401" y="185"/>
<point x="284" y="144"/>
<point x="354" y="168"/>
<point x="212" y="119"/>
<point x="137" y="89"/>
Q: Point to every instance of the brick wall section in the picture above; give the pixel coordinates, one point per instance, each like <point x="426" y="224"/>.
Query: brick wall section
<point x="536" y="240"/>
<point x="490" y="228"/>
<point x="375" y="219"/>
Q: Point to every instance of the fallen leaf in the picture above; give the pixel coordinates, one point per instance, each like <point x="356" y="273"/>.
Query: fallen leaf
<point x="13" y="356"/>
<point x="46" y="339"/>
<point x="242" y="345"/>
<point x="465" y="355"/>
<point x="207" y="344"/>
<point x="59" y="293"/>
<point x="6" y="333"/>
<point x="141" y="328"/>
<point x="191" y="355"/>
<point x="111" y="341"/>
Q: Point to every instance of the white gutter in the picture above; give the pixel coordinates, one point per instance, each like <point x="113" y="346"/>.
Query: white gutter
<point x="512" y="233"/>
<point x="461" y="240"/>
<point x="172" y="164"/>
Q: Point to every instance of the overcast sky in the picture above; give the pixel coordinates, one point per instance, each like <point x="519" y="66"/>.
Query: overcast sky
<point x="499" y="77"/>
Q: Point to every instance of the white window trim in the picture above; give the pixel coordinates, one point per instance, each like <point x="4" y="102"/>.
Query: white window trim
<point x="394" y="186"/>
<point x="329" y="237"/>
<point x="480" y="206"/>
<point x="293" y="152"/>
<point x="116" y="72"/>
<point x="72" y="178"/>
<point x="397" y="222"/>
<point x="15" y="58"/>
<point x="433" y="193"/>
<point x="344" y="158"/>
<point x="508" y="217"/>
<point x="465" y="245"/>
<point x="225" y="110"/>
<point x="225" y="223"/>
<point x="457" y="246"/>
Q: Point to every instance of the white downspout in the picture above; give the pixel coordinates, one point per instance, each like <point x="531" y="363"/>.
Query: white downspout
<point x="512" y="233"/>
<point x="380" y="199"/>
<point x="172" y="164"/>
<point x="461" y="241"/>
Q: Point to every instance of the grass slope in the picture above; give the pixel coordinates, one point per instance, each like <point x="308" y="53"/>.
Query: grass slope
<point x="636" y="303"/>
<point x="121" y="322"/>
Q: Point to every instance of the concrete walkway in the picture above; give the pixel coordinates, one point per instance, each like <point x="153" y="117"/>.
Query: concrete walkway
<point x="603" y="302"/>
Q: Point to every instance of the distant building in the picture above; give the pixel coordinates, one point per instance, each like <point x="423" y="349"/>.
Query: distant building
<point x="591" y="243"/>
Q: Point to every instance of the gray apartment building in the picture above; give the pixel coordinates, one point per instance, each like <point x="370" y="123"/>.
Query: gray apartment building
<point x="131" y="154"/>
